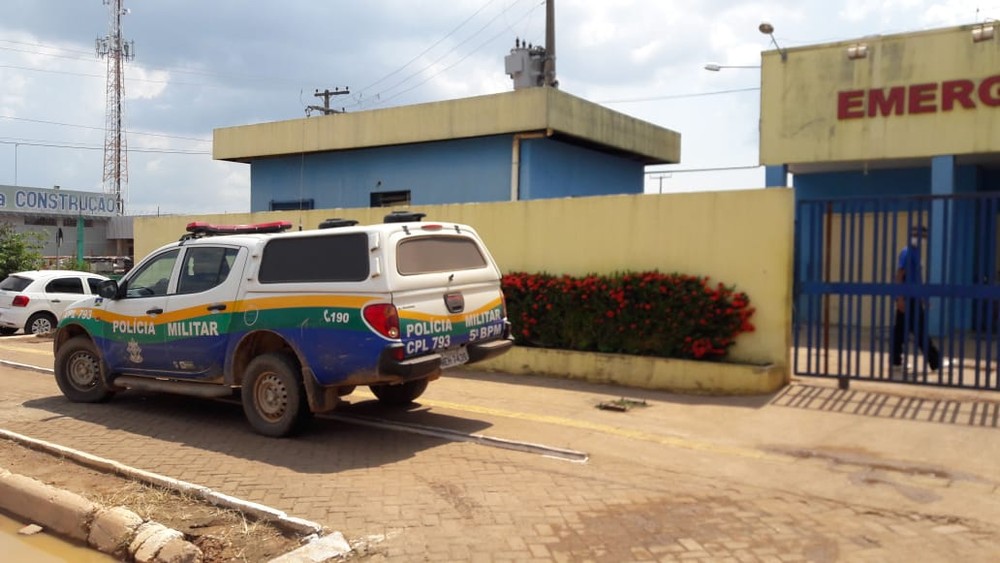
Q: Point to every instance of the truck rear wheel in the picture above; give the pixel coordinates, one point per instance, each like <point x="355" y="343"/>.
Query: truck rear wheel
<point x="274" y="401"/>
<point x="400" y="395"/>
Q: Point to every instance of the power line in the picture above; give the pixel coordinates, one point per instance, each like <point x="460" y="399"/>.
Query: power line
<point x="44" y="46"/>
<point x="425" y="51"/>
<point x="81" y="146"/>
<point x="469" y="54"/>
<point x="174" y="69"/>
<point x="130" y="131"/>
<point x="679" y="96"/>
<point x="450" y="51"/>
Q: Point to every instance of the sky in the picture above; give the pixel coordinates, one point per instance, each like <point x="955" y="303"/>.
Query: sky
<point x="201" y="65"/>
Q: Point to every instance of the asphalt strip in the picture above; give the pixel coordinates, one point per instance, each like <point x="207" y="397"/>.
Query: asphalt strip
<point x="433" y="431"/>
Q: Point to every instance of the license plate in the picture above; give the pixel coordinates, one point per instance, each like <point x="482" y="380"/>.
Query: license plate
<point x="452" y="358"/>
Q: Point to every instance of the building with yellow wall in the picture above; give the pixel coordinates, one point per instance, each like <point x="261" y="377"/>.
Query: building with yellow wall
<point x="907" y="114"/>
<point x="906" y="125"/>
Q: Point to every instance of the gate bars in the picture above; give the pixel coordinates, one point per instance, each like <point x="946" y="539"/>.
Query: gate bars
<point x="846" y="257"/>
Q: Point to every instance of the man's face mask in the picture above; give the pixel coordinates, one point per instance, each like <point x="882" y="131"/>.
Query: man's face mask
<point x="914" y="241"/>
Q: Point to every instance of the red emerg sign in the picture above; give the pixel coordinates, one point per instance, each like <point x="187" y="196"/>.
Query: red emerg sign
<point x="929" y="97"/>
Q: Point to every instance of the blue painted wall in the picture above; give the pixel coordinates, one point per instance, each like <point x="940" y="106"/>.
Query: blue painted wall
<point x="551" y="168"/>
<point x="875" y="183"/>
<point x="458" y="171"/>
<point x="465" y="170"/>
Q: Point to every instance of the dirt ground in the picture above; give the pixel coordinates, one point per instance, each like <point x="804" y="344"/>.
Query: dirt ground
<point x="222" y="534"/>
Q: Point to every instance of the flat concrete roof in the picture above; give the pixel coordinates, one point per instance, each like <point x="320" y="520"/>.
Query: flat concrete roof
<point x="531" y="110"/>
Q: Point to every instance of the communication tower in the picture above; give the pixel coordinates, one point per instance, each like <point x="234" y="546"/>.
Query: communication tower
<point x="117" y="51"/>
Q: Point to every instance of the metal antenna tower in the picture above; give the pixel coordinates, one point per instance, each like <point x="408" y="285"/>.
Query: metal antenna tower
<point x="116" y="50"/>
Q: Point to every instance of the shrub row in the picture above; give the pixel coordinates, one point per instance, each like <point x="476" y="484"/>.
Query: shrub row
<point x="640" y="313"/>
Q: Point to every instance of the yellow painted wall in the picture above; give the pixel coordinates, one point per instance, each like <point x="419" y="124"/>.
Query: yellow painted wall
<point x="799" y="100"/>
<point x="742" y="238"/>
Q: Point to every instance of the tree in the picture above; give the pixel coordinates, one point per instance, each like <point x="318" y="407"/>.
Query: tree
<point x="19" y="251"/>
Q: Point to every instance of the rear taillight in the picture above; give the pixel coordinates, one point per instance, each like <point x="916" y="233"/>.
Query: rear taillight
<point x="20" y="301"/>
<point x="383" y="318"/>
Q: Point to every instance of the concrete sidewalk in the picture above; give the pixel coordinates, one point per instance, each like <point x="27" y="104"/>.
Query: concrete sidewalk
<point x="913" y="447"/>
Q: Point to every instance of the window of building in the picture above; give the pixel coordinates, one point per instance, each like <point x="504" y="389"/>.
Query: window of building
<point x="41" y="221"/>
<point x="390" y="199"/>
<point x="292" y="205"/>
<point x="336" y="258"/>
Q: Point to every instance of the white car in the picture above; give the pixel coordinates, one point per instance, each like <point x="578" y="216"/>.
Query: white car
<point x="35" y="300"/>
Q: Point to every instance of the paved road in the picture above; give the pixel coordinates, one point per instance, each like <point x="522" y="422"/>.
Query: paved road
<point x="810" y="474"/>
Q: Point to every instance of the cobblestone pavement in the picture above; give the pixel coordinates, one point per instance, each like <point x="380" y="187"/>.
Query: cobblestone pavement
<point x="677" y="480"/>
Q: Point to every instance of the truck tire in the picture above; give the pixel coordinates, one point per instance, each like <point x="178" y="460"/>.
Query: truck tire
<point x="273" y="398"/>
<point x="78" y="372"/>
<point x="400" y="395"/>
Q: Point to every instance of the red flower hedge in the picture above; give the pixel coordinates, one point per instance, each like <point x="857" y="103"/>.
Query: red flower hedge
<point x="644" y="313"/>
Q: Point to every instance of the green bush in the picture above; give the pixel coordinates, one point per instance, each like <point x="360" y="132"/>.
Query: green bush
<point x="18" y="251"/>
<point x="640" y="313"/>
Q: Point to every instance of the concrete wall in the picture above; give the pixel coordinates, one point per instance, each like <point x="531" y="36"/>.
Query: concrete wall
<point x="742" y="238"/>
<point x="465" y="169"/>
<point x="95" y="239"/>
<point x="521" y="111"/>
<point x="470" y="170"/>
<point x="913" y="95"/>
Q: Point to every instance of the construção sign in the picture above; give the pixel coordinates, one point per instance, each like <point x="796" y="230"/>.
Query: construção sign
<point x="56" y="202"/>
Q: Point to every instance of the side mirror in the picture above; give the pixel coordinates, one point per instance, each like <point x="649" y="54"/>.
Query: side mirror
<point x="108" y="289"/>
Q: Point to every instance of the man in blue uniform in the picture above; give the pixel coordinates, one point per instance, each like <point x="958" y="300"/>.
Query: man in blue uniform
<point x="910" y="315"/>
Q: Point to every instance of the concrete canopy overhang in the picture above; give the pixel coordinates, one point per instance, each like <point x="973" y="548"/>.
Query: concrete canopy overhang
<point x="531" y="110"/>
<point x="989" y="161"/>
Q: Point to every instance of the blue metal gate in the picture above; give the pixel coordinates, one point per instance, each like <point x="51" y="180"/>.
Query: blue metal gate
<point x="852" y="299"/>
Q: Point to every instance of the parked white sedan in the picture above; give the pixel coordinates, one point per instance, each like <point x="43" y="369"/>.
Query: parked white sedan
<point x="35" y="300"/>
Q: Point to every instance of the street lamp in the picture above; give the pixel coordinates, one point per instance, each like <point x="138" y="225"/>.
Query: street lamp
<point x="716" y="67"/>
<point x="768" y="29"/>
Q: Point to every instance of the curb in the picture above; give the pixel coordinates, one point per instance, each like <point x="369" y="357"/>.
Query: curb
<point x="258" y="511"/>
<point x="118" y="532"/>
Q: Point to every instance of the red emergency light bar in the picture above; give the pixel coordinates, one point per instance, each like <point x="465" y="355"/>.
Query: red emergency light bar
<point x="199" y="228"/>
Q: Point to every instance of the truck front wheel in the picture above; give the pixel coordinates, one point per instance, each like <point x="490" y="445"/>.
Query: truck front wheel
<point x="274" y="401"/>
<point x="78" y="371"/>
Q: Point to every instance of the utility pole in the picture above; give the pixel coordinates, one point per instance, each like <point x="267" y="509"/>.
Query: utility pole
<point x="326" y="95"/>
<point x="549" y="67"/>
<point x="117" y="51"/>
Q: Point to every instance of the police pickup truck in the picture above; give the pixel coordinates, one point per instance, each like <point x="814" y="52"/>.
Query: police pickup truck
<point x="289" y="321"/>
